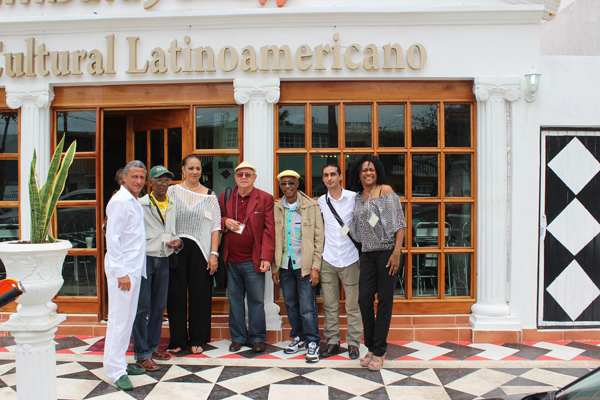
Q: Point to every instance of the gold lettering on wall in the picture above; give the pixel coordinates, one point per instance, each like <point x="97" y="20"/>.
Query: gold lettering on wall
<point x="233" y="58"/>
<point x="133" y="69"/>
<point x="249" y="59"/>
<point x="410" y="56"/>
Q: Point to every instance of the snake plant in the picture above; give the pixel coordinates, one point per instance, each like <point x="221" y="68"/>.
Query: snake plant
<point x="43" y="200"/>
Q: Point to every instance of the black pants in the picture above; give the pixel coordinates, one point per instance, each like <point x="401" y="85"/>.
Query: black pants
<point x="375" y="278"/>
<point x="190" y="277"/>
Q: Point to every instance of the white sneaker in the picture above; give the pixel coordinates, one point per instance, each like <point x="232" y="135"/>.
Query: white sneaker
<point x="312" y="356"/>
<point x="295" y="346"/>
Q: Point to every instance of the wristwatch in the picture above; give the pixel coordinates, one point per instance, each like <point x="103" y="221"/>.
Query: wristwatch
<point x="216" y="253"/>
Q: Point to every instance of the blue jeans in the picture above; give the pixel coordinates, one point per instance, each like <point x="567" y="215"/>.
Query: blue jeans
<point x="148" y="321"/>
<point x="243" y="280"/>
<point x="301" y="304"/>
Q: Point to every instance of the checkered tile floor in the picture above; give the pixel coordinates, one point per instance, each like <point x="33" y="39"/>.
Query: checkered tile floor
<point x="415" y="370"/>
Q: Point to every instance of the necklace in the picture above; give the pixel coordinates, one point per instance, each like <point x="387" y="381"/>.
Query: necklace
<point x="194" y="189"/>
<point x="368" y="195"/>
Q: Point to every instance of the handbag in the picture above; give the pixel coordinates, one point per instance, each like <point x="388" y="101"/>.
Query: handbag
<point x="221" y="273"/>
<point x="358" y="245"/>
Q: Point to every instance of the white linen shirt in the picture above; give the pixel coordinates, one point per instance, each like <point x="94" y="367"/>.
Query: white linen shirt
<point x="339" y="250"/>
<point x="125" y="236"/>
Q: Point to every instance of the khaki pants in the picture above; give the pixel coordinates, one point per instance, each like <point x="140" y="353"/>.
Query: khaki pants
<point x="331" y="300"/>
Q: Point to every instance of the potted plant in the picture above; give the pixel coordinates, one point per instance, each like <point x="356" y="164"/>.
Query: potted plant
<point x="37" y="263"/>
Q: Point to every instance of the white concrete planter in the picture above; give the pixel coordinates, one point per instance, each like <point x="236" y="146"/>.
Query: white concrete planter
<point x="39" y="268"/>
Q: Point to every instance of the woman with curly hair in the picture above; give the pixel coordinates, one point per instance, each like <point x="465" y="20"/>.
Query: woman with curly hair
<point x="378" y="224"/>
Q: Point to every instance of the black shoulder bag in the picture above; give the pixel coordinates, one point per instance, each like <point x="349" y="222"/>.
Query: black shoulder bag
<point x="341" y="222"/>
<point x="173" y="260"/>
<point x="221" y="274"/>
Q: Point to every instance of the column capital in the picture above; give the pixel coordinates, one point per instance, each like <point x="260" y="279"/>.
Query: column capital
<point x="508" y="89"/>
<point x="246" y="90"/>
<point x="42" y="95"/>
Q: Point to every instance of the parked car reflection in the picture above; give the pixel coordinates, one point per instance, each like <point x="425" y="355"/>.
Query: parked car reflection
<point x="77" y="224"/>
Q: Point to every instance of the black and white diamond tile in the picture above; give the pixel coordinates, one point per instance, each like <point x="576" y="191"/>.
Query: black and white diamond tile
<point x="572" y="204"/>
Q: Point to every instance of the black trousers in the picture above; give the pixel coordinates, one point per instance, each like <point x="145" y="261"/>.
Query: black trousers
<point x="375" y="278"/>
<point x="191" y="277"/>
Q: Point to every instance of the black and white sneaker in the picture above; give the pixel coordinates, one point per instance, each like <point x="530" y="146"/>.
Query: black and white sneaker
<point x="296" y="346"/>
<point x="312" y="356"/>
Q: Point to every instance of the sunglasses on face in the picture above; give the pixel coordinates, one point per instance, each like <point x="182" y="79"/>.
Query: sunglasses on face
<point x="244" y="174"/>
<point x="287" y="183"/>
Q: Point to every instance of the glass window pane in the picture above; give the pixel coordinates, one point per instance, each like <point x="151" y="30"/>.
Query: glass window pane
<point x="324" y="126"/>
<point x="457" y="122"/>
<point x="296" y="163"/>
<point x="77" y="225"/>
<point x="424" y="125"/>
<point x="400" y="289"/>
<point x="77" y="125"/>
<point x="291" y="127"/>
<point x="458" y="175"/>
<point x="217" y="172"/>
<point x="157" y="148"/>
<point x="81" y="182"/>
<point x="9" y="180"/>
<point x="458" y="274"/>
<point x="217" y="128"/>
<point x="458" y="216"/>
<point x="318" y="162"/>
<point x="79" y="273"/>
<point x="9" y="224"/>
<point x="391" y="125"/>
<point x="425" y="175"/>
<point x="425" y="275"/>
<point x="394" y="171"/>
<point x="358" y="125"/>
<point x="174" y="156"/>
<point x="141" y="146"/>
<point x="9" y="131"/>
<point x="425" y="225"/>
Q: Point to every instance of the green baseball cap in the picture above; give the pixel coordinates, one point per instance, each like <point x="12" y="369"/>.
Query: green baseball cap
<point x="159" y="170"/>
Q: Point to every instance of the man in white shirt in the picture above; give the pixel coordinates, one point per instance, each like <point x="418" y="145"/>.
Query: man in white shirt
<point x="125" y="264"/>
<point x="340" y="263"/>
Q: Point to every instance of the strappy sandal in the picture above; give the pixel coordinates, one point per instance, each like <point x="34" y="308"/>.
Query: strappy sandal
<point x="197" y="349"/>
<point x="364" y="362"/>
<point x="376" y="363"/>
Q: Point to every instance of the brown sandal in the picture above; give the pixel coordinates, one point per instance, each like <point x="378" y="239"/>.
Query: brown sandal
<point x="376" y="363"/>
<point x="364" y="362"/>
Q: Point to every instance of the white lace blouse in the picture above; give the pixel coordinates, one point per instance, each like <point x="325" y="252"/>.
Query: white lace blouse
<point x="198" y="216"/>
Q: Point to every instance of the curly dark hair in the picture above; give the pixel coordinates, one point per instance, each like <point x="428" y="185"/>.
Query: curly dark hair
<point x="187" y="158"/>
<point x="352" y="179"/>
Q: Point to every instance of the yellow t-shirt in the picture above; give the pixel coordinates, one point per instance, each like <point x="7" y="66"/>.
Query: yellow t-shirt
<point x="162" y="205"/>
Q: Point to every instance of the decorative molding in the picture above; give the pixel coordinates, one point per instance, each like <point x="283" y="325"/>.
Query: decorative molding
<point x="41" y="95"/>
<point x="550" y="6"/>
<point x="246" y="90"/>
<point x="507" y="88"/>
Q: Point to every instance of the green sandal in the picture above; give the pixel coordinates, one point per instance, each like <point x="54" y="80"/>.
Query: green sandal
<point x="124" y="383"/>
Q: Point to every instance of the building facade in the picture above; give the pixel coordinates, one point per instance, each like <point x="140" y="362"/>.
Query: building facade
<point x="436" y="89"/>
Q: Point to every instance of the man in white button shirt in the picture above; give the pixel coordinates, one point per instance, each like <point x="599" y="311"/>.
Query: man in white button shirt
<point x="340" y="263"/>
<point x="125" y="264"/>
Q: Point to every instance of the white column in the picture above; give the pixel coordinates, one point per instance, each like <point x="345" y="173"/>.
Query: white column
<point x="258" y="97"/>
<point x="492" y="309"/>
<point x="34" y="102"/>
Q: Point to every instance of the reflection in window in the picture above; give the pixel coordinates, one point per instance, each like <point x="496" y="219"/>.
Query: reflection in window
<point x="424" y="125"/>
<point x="425" y="175"/>
<point x="77" y="225"/>
<point x="217" y="128"/>
<point x="458" y="175"/>
<point x="9" y="224"/>
<point x="9" y="180"/>
<point x="81" y="181"/>
<point x="457" y="125"/>
<point x="425" y="275"/>
<point x="324" y="126"/>
<point x="458" y="215"/>
<point x="77" y="125"/>
<point x="9" y="132"/>
<point x="217" y="172"/>
<point x="394" y="171"/>
<point x="358" y="125"/>
<point x="318" y="162"/>
<point x="296" y="163"/>
<point x="79" y="274"/>
<point x="291" y="127"/>
<point x="391" y="125"/>
<point x="458" y="274"/>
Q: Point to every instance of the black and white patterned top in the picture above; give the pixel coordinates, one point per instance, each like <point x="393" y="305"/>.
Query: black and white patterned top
<point x="382" y="236"/>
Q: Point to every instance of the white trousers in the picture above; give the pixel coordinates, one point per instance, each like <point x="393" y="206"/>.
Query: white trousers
<point x="122" y="307"/>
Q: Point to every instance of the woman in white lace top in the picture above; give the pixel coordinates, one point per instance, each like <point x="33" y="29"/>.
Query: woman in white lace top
<point x="198" y="225"/>
<point x="378" y="224"/>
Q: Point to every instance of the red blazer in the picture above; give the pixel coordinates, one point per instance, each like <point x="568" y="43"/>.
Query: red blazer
<point x="260" y="221"/>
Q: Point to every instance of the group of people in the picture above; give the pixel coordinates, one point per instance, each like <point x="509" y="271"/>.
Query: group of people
<point x="162" y="251"/>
